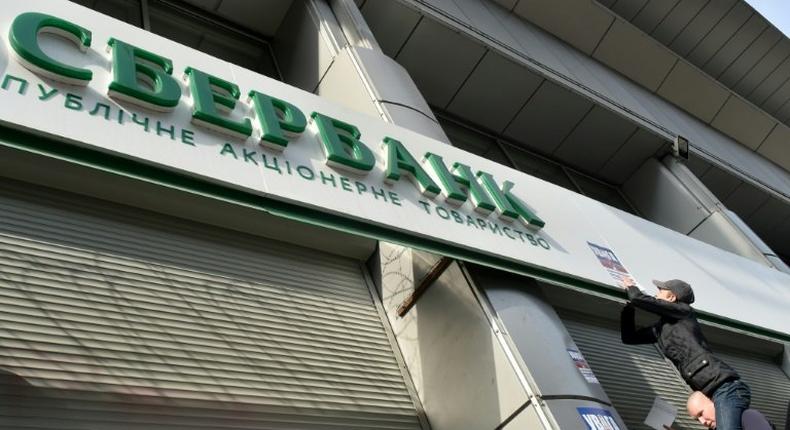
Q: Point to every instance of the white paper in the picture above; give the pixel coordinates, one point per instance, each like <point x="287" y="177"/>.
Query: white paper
<point x="662" y="414"/>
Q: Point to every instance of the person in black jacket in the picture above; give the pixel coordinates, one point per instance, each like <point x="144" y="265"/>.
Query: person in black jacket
<point x="680" y="338"/>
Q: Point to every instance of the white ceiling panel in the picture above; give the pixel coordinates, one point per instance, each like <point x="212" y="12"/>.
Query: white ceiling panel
<point x="176" y="28"/>
<point x="448" y="7"/>
<point x="653" y="13"/>
<point x="539" y="167"/>
<point x="628" y="8"/>
<point x="478" y="15"/>
<point x="495" y="92"/>
<point x="595" y="82"/>
<point x="595" y="140"/>
<point x="237" y="51"/>
<point x="580" y="23"/>
<point x="727" y="39"/>
<point x="778" y="54"/>
<point x="630" y="156"/>
<point x="777" y="146"/>
<point x="474" y="142"/>
<point x="548" y="118"/>
<point x="768" y="217"/>
<point x="720" y="33"/>
<point x="693" y="90"/>
<point x="698" y="165"/>
<point x="751" y="56"/>
<point x="209" y="5"/>
<point x="439" y="60"/>
<point x="721" y="183"/>
<point x="736" y="45"/>
<point x="635" y="54"/>
<point x="783" y="114"/>
<point x="391" y="23"/>
<point x="124" y="10"/>
<point x="767" y="87"/>
<point x="262" y="17"/>
<point x="775" y="102"/>
<point x="744" y="122"/>
<point x="507" y="4"/>
<point x="532" y="42"/>
<point x="778" y="245"/>
<point x="314" y="54"/>
<point x="745" y="200"/>
<point x="700" y="25"/>
<point x="677" y="19"/>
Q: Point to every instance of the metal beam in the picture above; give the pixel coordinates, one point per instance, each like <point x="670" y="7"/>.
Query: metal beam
<point x="433" y="274"/>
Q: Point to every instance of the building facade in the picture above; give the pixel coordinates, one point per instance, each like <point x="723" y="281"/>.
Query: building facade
<point x="400" y="214"/>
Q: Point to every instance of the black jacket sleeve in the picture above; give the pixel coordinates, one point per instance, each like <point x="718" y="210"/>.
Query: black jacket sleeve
<point x="659" y="307"/>
<point x="629" y="334"/>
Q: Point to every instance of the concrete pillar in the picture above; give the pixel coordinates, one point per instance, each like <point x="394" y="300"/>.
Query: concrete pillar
<point x="465" y="370"/>
<point x="326" y="48"/>
<point x="668" y="193"/>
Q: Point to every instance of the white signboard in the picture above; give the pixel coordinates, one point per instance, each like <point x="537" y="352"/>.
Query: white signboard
<point x="301" y="173"/>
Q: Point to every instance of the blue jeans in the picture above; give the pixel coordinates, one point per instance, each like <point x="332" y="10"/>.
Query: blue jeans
<point x="730" y="400"/>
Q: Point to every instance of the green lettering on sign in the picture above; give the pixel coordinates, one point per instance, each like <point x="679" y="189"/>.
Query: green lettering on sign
<point x="160" y="92"/>
<point x="399" y="159"/>
<point x="24" y="40"/>
<point x="342" y="147"/>
<point x="480" y="198"/>
<point x="460" y="184"/>
<point x="211" y="94"/>
<point x="451" y="185"/>
<point x="510" y="207"/>
<point x="274" y="127"/>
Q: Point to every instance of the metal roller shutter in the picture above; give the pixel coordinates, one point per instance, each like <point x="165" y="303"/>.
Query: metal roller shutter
<point x="631" y="375"/>
<point x="770" y="386"/>
<point x="116" y="318"/>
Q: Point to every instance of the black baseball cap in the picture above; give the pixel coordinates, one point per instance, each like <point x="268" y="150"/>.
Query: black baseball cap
<point x="681" y="289"/>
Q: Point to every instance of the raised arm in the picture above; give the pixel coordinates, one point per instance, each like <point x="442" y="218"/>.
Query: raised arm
<point x="629" y="334"/>
<point x="659" y="307"/>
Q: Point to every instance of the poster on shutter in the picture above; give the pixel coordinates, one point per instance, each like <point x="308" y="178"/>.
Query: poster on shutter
<point x="612" y="264"/>
<point x="598" y="419"/>
<point x="582" y="365"/>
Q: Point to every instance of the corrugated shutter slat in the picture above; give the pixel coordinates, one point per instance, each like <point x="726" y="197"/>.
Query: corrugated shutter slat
<point x="116" y="318"/>
<point x="631" y="375"/>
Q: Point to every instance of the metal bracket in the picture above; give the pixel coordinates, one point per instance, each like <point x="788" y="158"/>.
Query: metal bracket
<point x="433" y="274"/>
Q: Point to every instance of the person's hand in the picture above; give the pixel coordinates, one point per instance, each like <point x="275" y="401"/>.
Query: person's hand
<point x="628" y="282"/>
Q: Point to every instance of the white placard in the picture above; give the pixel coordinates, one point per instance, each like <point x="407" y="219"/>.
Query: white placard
<point x="661" y="415"/>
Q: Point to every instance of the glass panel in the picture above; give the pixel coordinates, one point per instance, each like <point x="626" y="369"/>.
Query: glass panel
<point x="602" y="192"/>
<point x="125" y="10"/>
<point x="474" y="142"/>
<point x="539" y="167"/>
<point x="213" y="40"/>
<point x="532" y="164"/>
